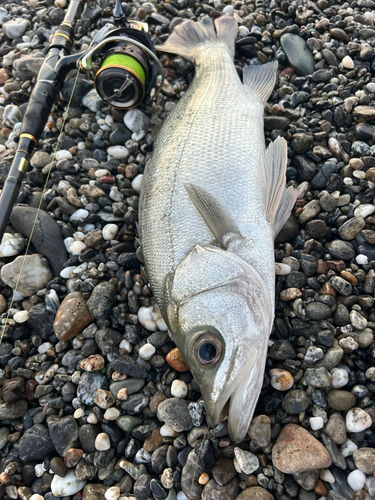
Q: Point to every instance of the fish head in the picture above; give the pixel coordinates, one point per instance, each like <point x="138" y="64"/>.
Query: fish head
<point x="221" y="318"/>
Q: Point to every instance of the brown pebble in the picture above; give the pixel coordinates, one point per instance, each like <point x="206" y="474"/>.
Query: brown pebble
<point x="3" y="304"/>
<point x="336" y="265"/>
<point x="155" y="401"/>
<point x="12" y="438"/>
<point x="349" y="277"/>
<point x="327" y="289"/>
<point x="203" y="478"/>
<point x="153" y="441"/>
<point x="320" y="489"/>
<point x="251" y="480"/>
<point x="290" y="294"/>
<point x="58" y="467"/>
<point x="176" y="361"/>
<point x="4" y="76"/>
<point x="122" y="394"/>
<point x="370" y="174"/>
<point x="5" y="132"/>
<point x="107" y="179"/>
<point x="224" y="442"/>
<point x="72" y="316"/>
<point x="31" y="386"/>
<point x="13" y="389"/>
<point x="296" y="450"/>
<point x="322" y="267"/>
<point x="255" y="493"/>
<point x="93" y="363"/>
<point x="72" y="457"/>
<point x="4" y="478"/>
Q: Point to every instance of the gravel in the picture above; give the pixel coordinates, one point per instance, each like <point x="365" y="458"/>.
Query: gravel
<point x="96" y="401"/>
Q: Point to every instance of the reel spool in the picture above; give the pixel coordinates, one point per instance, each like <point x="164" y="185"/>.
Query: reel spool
<point x="126" y="65"/>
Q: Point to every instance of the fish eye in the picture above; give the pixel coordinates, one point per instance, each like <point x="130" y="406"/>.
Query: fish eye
<point x="208" y="349"/>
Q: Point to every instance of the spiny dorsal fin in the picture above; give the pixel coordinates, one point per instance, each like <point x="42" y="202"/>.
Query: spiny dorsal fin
<point x="260" y="80"/>
<point x="278" y="201"/>
<point x="217" y="220"/>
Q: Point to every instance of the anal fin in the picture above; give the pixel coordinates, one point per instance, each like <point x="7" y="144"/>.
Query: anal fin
<point x="278" y="200"/>
<point x="217" y="220"/>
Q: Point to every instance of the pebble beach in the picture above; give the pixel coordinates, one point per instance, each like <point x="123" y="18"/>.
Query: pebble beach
<point x="96" y="402"/>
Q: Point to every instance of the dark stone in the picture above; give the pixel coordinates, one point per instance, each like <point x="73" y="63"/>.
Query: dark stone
<point x="63" y="432"/>
<point x="223" y="471"/>
<point x="5" y="353"/>
<point x="159" y="459"/>
<point x="340" y="249"/>
<point x="102" y="300"/>
<point x="142" y="487"/>
<point x="13" y="410"/>
<point x="295" y="402"/>
<point x="295" y="279"/>
<point x="35" y="444"/>
<point x="41" y="321"/>
<point x="47" y="237"/>
<point x="317" y="311"/>
<point x="13" y="389"/>
<point x="282" y="349"/>
<point x="126" y="364"/>
<point x="289" y="231"/>
<point x="206" y="454"/>
<point x="88" y="384"/>
<point x="174" y="412"/>
<point x="157" y="490"/>
<point x="302" y="142"/>
<point x="107" y="340"/>
<point x="82" y="87"/>
<point x="87" y="435"/>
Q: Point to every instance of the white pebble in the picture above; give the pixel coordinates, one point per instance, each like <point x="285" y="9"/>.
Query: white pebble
<point x="340" y="378"/>
<point x="348" y="448"/>
<point x="137" y="183"/>
<point x="313" y="354"/>
<point x="77" y="247"/>
<point x="370" y="87"/>
<point x="282" y="269"/>
<point x="66" y="486"/>
<point x="111" y="413"/>
<point x="92" y="419"/>
<point x="36" y="496"/>
<point x="39" y="470"/>
<point x="151" y="319"/>
<point x="101" y="172"/>
<point x="63" y="155"/>
<point x="60" y="3"/>
<point x="361" y="259"/>
<point x="327" y="476"/>
<point x="68" y="272"/>
<point x="115" y="194"/>
<point x="126" y="345"/>
<point x="370" y="485"/>
<point x="147" y="351"/>
<point x="78" y="413"/>
<point x="118" y="152"/>
<point x="11" y="244"/>
<point x="179" y="389"/>
<point x="347" y="62"/>
<point x="166" y="431"/>
<point x="68" y="242"/>
<point x="181" y="496"/>
<point x="316" y="423"/>
<point x="79" y="214"/>
<point x="102" y="442"/>
<point x="21" y="316"/>
<point x="356" y="480"/>
<point x="109" y="231"/>
<point x="46" y="346"/>
<point x="364" y="210"/>
<point x="112" y="493"/>
<point x="357" y="420"/>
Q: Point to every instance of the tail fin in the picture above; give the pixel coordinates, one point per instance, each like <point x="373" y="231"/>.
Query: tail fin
<point x="188" y="35"/>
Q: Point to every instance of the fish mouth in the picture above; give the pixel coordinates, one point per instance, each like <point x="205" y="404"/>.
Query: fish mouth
<point x="237" y="399"/>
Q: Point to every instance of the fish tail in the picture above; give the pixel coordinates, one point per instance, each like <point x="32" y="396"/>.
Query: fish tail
<point x="187" y="36"/>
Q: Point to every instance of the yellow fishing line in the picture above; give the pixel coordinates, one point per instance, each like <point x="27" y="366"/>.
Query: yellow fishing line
<point x="39" y="208"/>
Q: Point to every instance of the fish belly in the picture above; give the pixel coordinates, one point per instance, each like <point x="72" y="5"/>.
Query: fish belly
<point x="214" y="140"/>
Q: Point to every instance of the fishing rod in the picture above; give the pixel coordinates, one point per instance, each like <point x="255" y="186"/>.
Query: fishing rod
<point x="121" y="60"/>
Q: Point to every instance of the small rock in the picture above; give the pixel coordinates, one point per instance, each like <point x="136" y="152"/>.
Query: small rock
<point x="176" y="361"/>
<point x="174" y="412"/>
<point x="102" y="442"/>
<point x="72" y="317"/>
<point x="151" y="318"/>
<point x="66" y="486"/>
<point x="282" y="380"/>
<point x="15" y="28"/>
<point x="255" y="493"/>
<point x="357" y="420"/>
<point x="340" y="400"/>
<point x="364" y="459"/>
<point x="137" y="122"/>
<point x="35" y="274"/>
<point x="11" y="244"/>
<point x="147" y="351"/>
<point x="356" y="480"/>
<point x="300" y="56"/>
<point x="296" y="450"/>
<point x="247" y="461"/>
<point x="260" y="430"/>
<point x="179" y="389"/>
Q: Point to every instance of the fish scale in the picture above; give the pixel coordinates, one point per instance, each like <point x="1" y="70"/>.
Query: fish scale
<point x="212" y="200"/>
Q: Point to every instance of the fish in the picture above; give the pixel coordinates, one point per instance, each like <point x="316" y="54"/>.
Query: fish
<point x="212" y="201"/>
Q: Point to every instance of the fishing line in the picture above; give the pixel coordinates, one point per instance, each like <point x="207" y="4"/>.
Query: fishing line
<point x="39" y="207"/>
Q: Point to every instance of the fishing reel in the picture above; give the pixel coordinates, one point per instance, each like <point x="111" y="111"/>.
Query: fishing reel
<point x="122" y="62"/>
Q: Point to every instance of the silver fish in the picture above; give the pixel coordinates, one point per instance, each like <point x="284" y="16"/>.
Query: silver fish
<point x="213" y="199"/>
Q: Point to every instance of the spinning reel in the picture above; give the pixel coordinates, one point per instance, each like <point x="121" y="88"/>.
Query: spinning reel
<point x="122" y="62"/>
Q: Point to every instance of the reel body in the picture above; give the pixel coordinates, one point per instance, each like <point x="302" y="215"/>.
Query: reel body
<point x="123" y="64"/>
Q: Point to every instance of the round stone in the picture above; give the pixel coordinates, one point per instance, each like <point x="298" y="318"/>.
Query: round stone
<point x="347" y="62"/>
<point x="113" y="493"/>
<point x="247" y="461"/>
<point x="21" y="317"/>
<point x="77" y="247"/>
<point x="282" y="380"/>
<point x="316" y="423"/>
<point x="66" y="486"/>
<point x="147" y="351"/>
<point x="357" y="420"/>
<point x="340" y="378"/>
<point x="341" y="400"/>
<point x="109" y="232"/>
<point x="356" y="480"/>
<point x="102" y="442"/>
<point x="179" y="389"/>
<point x="176" y="361"/>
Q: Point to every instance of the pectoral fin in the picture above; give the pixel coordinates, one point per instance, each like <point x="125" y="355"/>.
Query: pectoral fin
<point x="260" y="80"/>
<point x="217" y="220"/>
<point x="278" y="200"/>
